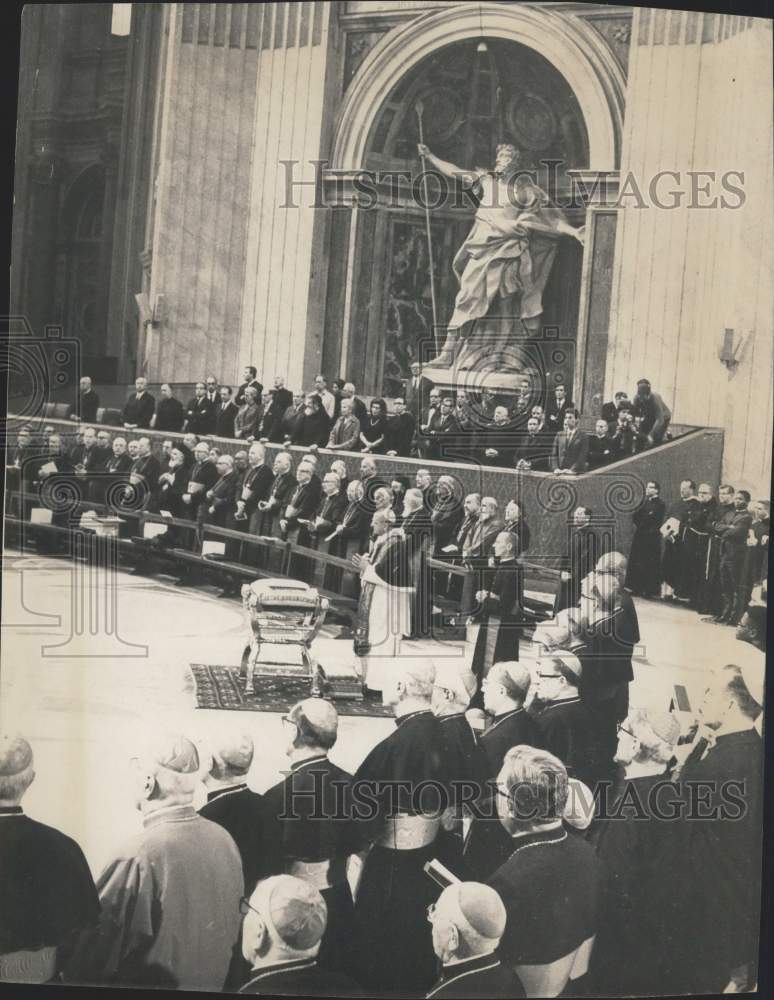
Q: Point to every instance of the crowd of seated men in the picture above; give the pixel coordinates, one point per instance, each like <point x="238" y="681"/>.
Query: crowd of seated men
<point x="427" y="422"/>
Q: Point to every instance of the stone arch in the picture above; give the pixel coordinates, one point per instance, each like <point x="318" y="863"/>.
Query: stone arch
<point x="571" y="45"/>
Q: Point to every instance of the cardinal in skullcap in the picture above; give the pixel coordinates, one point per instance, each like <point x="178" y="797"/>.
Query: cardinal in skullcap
<point x="170" y="895"/>
<point x="47" y="893"/>
<point x="468" y="921"/>
<point x="285" y="920"/>
<point x="306" y="832"/>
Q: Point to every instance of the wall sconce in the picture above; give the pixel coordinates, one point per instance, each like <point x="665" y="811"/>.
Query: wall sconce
<point x="728" y="353"/>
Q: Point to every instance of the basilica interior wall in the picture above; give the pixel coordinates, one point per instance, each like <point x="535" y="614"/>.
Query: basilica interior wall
<point x="684" y="275"/>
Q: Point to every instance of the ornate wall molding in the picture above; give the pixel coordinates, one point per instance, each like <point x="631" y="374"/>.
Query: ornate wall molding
<point x="569" y="42"/>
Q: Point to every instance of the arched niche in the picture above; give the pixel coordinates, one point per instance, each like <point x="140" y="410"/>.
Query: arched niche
<point x="568" y="43"/>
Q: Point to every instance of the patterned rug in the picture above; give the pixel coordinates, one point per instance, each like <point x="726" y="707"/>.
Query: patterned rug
<point x="220" y="687"/>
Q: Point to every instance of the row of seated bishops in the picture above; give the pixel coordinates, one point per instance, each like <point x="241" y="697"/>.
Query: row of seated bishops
<point x="427" y="422"/>
<point x="509" y="880"/>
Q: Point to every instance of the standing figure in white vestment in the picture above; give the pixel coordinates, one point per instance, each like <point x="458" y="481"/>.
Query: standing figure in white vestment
<point x="384" y="610"/>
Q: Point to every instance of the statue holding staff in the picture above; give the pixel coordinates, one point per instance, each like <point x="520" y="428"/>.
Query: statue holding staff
<point x="504" y="263"/>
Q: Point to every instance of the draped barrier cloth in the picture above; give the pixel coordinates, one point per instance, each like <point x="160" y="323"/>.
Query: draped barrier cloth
<point x="547" y="501"/>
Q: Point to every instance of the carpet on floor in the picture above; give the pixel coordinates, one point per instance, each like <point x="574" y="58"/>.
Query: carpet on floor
<point x="219" y="686"/>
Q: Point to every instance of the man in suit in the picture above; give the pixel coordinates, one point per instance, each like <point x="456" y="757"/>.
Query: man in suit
<point x="284" y="923"/>
<point x="610" y="411"/>
<point x="170" y="412"/>
<point x="425" y="420"/>
<point x="441" y="428"/>
<point x="327" y="398"/>
<point x="571" y="447"/>
<point x="418" y="389"/>
<point x="88" y="402"/>
<point x="200" y="412"/>
<point x="557" y="404"/>
<point x="468" y="921"/>
<point x="250" y="376"/>
<point x="225" y="413"/>
<point x="400" y="430"/>
<point x="139" y="407"/>
<point x="230" y="803"/>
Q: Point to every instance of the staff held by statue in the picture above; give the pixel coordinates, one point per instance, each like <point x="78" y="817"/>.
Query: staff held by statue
<point x="419" y="107"/>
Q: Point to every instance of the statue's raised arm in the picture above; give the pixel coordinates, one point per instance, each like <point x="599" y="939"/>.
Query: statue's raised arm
<point x="446" y="168"/>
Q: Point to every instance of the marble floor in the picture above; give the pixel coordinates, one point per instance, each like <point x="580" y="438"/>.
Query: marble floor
<point x="86" y="699"/>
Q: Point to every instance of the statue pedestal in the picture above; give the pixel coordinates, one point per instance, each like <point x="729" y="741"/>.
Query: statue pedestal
<point x="454" y="379"/>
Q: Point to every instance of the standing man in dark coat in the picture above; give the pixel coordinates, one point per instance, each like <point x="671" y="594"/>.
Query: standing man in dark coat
<point x="418" y="389"/>
<point x="610" y="632"/>
<point x="302" y="502"/>
<point x="711" y="938"/>
<point x="418" y="532"/>
<point x="644" y="572"/>
<point x="505" y="690"/>
<point x="500" y="618"/>
<point x="468" y="922"/>
<point x="230" y="803"/>
<point x="564" y="724"/>
<point x="139" y="407"/>
<point x="602" y="447"/>
<point x="557" y="404"/>
<point x="552" y="881"/>
<point x="571" y="447"/>
<point x="497" y="443"/>
<point x="634" y="844"/>
<point x="583" y="553"/>
<point x="225" y="414"/>
<point x="88" y="402"/>
<point x="170" y="412"/>
<point x="400" y="430"/>
<point x="732" y="530"/>
<point x="394" y="893"/>
<point x="534" y="449"/>
<point x="250" y="376"/>
<point x="200" y="412"/>
<point x="306" y="830"/>
<point x="47" y="890"/>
